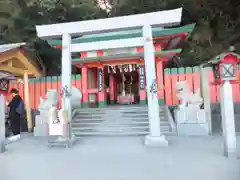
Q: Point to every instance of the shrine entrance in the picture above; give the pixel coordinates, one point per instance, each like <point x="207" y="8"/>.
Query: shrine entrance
<point x="122" y="83"/>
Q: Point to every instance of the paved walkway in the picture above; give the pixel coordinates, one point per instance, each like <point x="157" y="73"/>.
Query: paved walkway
<point x="119" y="159"/>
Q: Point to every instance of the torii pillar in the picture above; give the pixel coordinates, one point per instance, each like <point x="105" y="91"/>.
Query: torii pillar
<point x="155" y="138"/>
<point x="66" y="74"/>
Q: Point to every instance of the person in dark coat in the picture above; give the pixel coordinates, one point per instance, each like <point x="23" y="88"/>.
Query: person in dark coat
<point x="14" y="114"/>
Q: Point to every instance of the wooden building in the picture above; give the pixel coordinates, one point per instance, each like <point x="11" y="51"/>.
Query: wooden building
<point x="17" y="60"/>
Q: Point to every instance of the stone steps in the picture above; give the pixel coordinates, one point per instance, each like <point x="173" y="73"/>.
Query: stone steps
<point x="105" y="116"/>
<point x="116" y="121"/>
<point x="120" y="108"/>
<point x="114" y="128"/>
<point x="131" y="133"/>
<point x="136" y="132"/>
<point x="98" y="121"/>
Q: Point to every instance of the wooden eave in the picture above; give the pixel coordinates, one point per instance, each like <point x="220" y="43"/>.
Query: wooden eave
<point x="8" y="58"/>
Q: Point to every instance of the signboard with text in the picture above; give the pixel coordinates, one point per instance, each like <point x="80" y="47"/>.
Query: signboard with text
<point x="142" y="77"/>
<point x="122" y="68"/>
<point x="100" y="79"/>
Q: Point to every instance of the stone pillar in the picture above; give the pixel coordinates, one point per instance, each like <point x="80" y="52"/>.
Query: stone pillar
<point x="159" y="69"/>
<point x="85" y="86"/>
<point x="2" y="124"/>
<point x="155" y="138"/>
<point x="205" y="92"/>
<point x="66" y="74"/>
<point x="101" y="88"/>
<point x="228" y="122"/>
<point x="142" y="85"/>
<point x="112" y="89"/>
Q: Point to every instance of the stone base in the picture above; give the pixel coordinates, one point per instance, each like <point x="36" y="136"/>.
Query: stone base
<point x="40" y="127"/>
<point x="159" y="141"/>
<point x="193" y="129"/>
<point x="231" y="155"/>
<point x="40" y="130"/>
<point x="191" y="114"/>
<point x="30" y="130"/>
<point x="59" y="141"/>
<point x="2" y="147"/>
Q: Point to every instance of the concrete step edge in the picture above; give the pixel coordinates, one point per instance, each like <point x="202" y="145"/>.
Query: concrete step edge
<point x="117" y="129"/>
<point x="109" y="123"/>
<point x="134" y="120"/>
<point x="111" y="134"/>
<point x="116" y="134"/>
<point x="111" y="112"/>
<point x="119" y="107"/>
<point x="120" y="110"/>
<point x="109" y="120"/>
<point x="115" y="115"/>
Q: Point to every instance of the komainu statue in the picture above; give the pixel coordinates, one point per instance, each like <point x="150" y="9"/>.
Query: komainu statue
<point x="190" y="117"/>
<point x="186" y="97"/>
<point x="50" y="101"/>
<point x="41" y="120"/>
<point x="76" y="97"/>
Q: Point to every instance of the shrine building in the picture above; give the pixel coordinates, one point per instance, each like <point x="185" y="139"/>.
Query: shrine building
<point x="117" y="75"/>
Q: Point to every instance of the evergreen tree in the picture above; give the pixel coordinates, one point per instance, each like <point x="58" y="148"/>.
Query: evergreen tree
<point x="218" y="22"/>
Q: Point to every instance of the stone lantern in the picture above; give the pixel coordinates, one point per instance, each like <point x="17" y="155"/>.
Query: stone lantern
<point x="225" y="72"/>
<point x="225" y="67"/>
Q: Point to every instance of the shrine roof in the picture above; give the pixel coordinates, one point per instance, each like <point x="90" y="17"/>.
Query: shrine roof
<point x="16" y="59"/>
<point x="8" y="47"/>
<point x="219" y="57"/>
<point x="126" y="56"/>
<point x="165" y="33"/>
